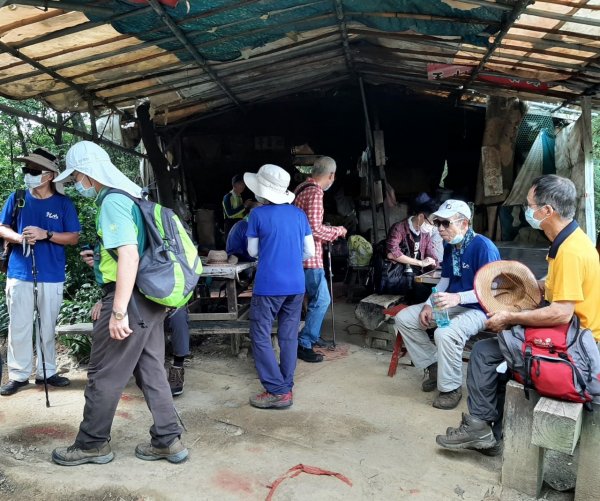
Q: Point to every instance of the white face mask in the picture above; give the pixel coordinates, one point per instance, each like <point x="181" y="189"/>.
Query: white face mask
<point x="32" y="181"/>
<point x="427" y="228"/>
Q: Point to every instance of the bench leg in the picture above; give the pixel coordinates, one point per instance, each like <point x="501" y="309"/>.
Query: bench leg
<point x="588" y="479"/>
<point x="236" y="343"/>
<point x="522" y="462"/>
<point x="398" y="348"/>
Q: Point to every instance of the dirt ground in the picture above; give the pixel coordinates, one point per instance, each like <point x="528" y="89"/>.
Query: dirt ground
<point x="348" y="417"/>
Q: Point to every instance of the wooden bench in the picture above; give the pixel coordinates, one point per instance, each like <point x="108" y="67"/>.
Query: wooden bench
<point x="530" y="426"/>
<point x="235" y="328"/>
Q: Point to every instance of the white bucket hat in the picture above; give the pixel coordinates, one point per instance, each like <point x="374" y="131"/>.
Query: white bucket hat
<point x="90" y="159"/>
<point x="271" y="182"/>
<point x="42" y="158"/>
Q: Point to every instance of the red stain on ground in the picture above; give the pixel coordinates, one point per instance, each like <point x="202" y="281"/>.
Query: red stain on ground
<point x="46" y="431"/>
<point x="232" y="482"/>
<point x="126" y="397"/>
<point x="340" y="351"/>
<point x="124" y="415"/>
<point x="255" y="450"/>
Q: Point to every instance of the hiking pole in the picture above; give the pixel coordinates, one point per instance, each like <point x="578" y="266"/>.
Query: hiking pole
<point x="329" y="245"/>
<point x="37" y="322"/>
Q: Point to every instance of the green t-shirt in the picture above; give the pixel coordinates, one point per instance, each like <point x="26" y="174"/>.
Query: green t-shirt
<point x="118" y="222"/>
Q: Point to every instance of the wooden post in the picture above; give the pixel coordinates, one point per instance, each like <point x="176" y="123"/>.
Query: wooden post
<point x="588" y="192"/>
<point x="522" y="462"/>
<point x="588" y="479"/>
<point x="556" y="424"/>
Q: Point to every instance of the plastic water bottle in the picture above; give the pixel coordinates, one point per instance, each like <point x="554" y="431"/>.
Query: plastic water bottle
<point x="440" y="315"/>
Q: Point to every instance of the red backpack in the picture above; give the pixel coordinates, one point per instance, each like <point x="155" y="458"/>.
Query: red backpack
<point x="561" y="362"/>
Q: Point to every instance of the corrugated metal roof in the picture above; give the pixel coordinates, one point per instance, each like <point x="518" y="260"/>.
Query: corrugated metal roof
<point x="206" y="56"/>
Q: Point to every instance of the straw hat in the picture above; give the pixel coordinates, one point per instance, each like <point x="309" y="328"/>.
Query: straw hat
<point x="507" y="286"/>
<point x="219" y="257"/>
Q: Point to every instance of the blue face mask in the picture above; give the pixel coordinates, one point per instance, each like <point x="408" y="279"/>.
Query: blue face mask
<point x="457" y="239"/>
<point x="536" y="224"/>
<point x="86" y="192"/>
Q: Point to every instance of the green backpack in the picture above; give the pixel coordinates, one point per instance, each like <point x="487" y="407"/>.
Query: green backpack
<point x="360" y="251"/>
<point x="170" y="266"/>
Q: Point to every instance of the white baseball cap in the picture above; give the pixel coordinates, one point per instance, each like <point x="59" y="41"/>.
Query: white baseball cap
<point x="452" y="207"/>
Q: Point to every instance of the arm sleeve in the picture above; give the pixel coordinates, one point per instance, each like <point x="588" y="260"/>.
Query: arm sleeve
<point x="253" y="246"/>
<point x="309" y="247"/>
<point x="252" y="231"/>
<point x="468" y="297"/>
<point x="229" y="210"/>
<point x="441" y="287"/>
<point x="430" y="250"/>
<point x="314" y="211"/>
<point x="117" y="223"/>
<point x="7" y="210"/>
<point x="397" y="235"/>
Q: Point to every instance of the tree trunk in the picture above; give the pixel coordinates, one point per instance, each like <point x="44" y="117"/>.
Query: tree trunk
<point x="21" y="136"/>
<point x="156" y="157"/>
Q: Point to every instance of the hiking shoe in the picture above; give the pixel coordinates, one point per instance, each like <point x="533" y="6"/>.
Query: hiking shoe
<point x="430" y="383"/>
<point x="448" y="399"/>
<point x="176" y="381"/>
<point x="493" y="451"/>
<point x="267" y="400"/>
<point x="74" y="455"/>
<point x="309" y="355"/>
<point x="175" y="453"/>
<point x="12" y="387"/>
<point x="323" y="343"/>
<point x="56" y="380"/>
<point x="473" y="433"/>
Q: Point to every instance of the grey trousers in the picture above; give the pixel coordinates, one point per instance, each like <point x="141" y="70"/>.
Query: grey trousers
<point x="113" y="362"/>
<point x="449" y="341"/>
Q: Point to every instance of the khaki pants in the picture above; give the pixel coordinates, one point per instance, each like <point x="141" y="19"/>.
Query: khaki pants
<point x="112" y="363"/>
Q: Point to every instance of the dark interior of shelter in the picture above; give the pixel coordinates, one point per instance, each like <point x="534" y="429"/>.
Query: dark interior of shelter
<point x="422" y="135"/>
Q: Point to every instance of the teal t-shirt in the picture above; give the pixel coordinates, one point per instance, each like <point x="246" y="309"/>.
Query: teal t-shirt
<point x="119" y="222"/>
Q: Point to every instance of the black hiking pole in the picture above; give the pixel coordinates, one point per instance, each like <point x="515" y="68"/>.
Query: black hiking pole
<point x="37" y="322"/>
<point x="329" y="244"/>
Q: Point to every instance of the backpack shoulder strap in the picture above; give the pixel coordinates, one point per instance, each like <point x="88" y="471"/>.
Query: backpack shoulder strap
<point x="302" y="188"/>
<point x="19" y="204"/>
<point x="135" y="200"/>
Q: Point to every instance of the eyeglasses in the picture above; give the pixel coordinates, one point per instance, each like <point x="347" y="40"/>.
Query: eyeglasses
<point x="34" y="172"/>
<point x="535" y="207"/>
<point x="446" y="222"/>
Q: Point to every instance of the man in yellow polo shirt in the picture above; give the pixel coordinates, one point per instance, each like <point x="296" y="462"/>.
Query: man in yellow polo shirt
<point x="571" y="287"/>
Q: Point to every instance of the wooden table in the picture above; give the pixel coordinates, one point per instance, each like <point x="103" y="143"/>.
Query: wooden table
<point x="230" y="274"/>
<point x="431" y="277"/>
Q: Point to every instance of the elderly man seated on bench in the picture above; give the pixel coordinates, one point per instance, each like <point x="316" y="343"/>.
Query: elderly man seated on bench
<point x="571" y="287"/>
<point x="464" y="253"/>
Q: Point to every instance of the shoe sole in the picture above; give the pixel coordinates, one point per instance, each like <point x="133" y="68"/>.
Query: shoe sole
<point x="176" y="393"/>
<point x="479" y="444"/>
<point x="9" y="393"/>
<point x="41" y="382"/>
<point x="172" y="458"/>
<point x="107" y="458"/>
<point x="312" y="361"/>
<point x="283" y="405"/>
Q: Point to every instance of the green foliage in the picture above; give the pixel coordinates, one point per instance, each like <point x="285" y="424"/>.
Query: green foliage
<point x="19" y="137"/>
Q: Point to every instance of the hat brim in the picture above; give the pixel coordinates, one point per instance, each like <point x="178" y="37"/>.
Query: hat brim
<point x="447" y="214"/>
<point x="64" y="176"/>
<point x="516" y="287"/>
<point x="252" y="181"/>
<point x="39" y="161"/>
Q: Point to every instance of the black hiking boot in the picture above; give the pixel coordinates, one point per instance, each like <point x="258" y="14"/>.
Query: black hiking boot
<point x="309" y="355"/>
<point x="12" y="387"/>
<point x="447" y="400"/>
<point x="176" y="380"/>
<point x="74" y="455"/>
<point x="473" y="433"/>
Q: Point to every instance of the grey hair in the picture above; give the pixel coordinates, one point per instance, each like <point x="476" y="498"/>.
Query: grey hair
<point x="557" y="192"/>
<point x="323" y="166"/>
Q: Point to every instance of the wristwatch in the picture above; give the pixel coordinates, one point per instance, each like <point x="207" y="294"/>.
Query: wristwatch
<point x="119" y="315"/>
<point x="49" y="234"/>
